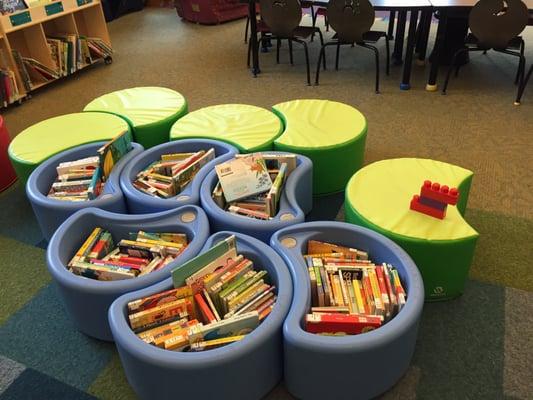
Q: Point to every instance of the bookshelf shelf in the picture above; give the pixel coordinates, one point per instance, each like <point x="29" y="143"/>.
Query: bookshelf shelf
<point x="26" y="35"/>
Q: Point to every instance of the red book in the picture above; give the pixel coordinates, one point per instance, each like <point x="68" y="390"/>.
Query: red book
<point x="204" y="309"/>
<point x="133" y="260"/>
<point x="96" y="261"/>
<point x="383" y="288"/>
<point x="341" y="324"/>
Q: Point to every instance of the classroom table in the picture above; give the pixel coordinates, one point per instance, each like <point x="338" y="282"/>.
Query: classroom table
<point x="445" y="7"/>
<point x="402" y="6"/>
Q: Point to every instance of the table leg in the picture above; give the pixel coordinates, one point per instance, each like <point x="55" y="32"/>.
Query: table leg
<point x="411" y="39"/>
<point x="253" y="37"/>
<point x="431" y="86"/>
<point x="423" y="38"/>
<point x="398" y="41"/>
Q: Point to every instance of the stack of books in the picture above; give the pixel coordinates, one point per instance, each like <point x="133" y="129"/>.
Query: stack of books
<point x="140" y="254"/>
<point x="168" y="176"/>
<point x="251" y="185"/>
<point x="218" y="298"/>
<point x="349" y="293"/>
<point x="84" y="179"/>
<point x="9" y="91"/>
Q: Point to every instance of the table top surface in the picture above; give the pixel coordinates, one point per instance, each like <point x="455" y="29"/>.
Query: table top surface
<point x="468" y="3"/>
<point x="387" y="4"/>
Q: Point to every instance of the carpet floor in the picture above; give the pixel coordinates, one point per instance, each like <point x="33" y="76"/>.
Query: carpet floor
<point x="478" y="346"/>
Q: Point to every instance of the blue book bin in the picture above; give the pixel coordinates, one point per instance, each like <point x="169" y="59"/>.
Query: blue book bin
<point x="295" y="202"/>
<point x="86" y="300"/>
<point x="139" y="202"/>
<point x="247" y="369"/>
<point x="346" y="367"/>
<point x="51" y="213"/>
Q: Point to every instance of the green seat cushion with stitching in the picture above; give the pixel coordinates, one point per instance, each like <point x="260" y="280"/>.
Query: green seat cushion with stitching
<point x="41" y="141"/>
<point x="249" y="128"/>
<point x="378" y="197"/>
<point x="330" y="133"/>
<point x="150" y="111"/>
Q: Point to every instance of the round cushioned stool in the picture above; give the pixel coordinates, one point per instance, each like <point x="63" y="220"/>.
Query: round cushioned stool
<point x="249" y="128"/>
<point x="150" y="111"/>
<point x="41" y="141"/>
<point x="378" y="197"/>
<point x="346" y="367"/>
<point x="331" y="134"/>
<point x="139" y="202"/>
<point x="248" y="369"/>
<point x="50" y="213"/>
<point x="295" y="202"/>
<point x="8" y="176"/>
<point x="87" y="300"/>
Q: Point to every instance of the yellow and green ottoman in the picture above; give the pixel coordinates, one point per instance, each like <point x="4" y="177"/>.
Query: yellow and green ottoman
<point x="331" y="134"/>
<point x="150" y="111"/>
<point x="378" y="197"/>
<point x="43" y="140"/>
<point x="249" y="128"/>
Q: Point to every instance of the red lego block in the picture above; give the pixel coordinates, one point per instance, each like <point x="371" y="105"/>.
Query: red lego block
<point x="439" y="193"/>
<point x="424" y="209"/>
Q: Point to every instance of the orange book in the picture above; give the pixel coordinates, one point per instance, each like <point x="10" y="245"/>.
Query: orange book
<point x="204" y="309"/>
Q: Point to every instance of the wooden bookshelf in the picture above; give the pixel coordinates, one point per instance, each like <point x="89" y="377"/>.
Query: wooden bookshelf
<point x="26" y="31"/>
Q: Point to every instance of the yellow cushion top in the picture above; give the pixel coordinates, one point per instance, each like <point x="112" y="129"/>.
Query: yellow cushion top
<point x="381" y="193"/>
<point x="247" y="127"/>
<point x="140" y="105"/>
<point x="319" y="123"/>
<point x="46" y="138"/>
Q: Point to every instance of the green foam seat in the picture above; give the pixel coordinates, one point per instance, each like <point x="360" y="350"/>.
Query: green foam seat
<point x="150" y="111"/>
<point x="378" y="197"/>
<point x="41" y="141"/>
<point x="249" y="128"/>
<point x="330" y="133"/>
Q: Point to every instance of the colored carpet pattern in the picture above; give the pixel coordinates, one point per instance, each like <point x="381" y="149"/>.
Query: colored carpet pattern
<point x="479" y="346"/>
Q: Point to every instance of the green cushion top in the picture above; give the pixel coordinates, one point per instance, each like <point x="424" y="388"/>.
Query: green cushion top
<point x="247" y="127"/>
<point x="141" y="105"/>
<point x="46" y="138"/>
<point x="381" y="193"/>
<point x="319" y="124"/>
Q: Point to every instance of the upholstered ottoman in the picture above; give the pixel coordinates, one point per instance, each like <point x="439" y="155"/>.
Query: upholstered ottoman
<point x="41" y="141"/>
<point x="378" y="197"/>
<point x="248" y="369"/>
<point x="150" y="111"/>
<point x="50" y="213"/>
<point x="87" y="300"/>
<point x="249" y="128"/>
<point x="331" y="134"/>
<point x="346" y="367"/>
<point x="139" y="202"/>
<point x="295" y="202"/>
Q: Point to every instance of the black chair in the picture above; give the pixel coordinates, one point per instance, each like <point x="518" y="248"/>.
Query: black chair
<point x="494" y="27"/>
<point x="283" y="20"/>
<point x="352" y="20"/>
<point x="522" y="86"/>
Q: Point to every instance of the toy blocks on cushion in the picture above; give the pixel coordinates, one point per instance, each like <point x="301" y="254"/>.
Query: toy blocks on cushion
<point x="439" y="193"/>
<point x="417" y="205"/>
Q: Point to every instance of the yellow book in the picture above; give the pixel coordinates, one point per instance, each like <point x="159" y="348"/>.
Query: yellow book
<point x="358" y="297"/>
<point x="87" y="245"/>
<point x="380" y="309"/>
<point x="337" y="291"/>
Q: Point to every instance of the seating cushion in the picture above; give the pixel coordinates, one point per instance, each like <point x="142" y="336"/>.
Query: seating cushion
<point x="41" y="141"/>
<point x="378" y="197"/>
<point x="150" y="111"/>
<point x="249" y="128"/>
<point x="331" y="134"/>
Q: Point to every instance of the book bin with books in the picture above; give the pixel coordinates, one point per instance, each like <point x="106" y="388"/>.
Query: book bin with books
<point x="224" y="337"/>
<point x="92" y="271"/>
<point x="170" y="174"/>
<point x="261" y="208"/>
<point x="50" y="212"/>
<point x="358" y="355"/>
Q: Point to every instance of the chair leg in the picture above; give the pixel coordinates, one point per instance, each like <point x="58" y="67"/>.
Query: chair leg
<point x="326" y="22"/>
<point x="452" y="64"/>
<point x="246" y="30"/>
<point x="521" y="67"/>
<point x="306" y="61"/>
<point x="321" y="43"/>
<point x="376" y="53"/>
<point x="290" y="52"/>
<point x="278" y="44"/>
<point x="313" y="20"/>
<point x="522" y="87"/>
<point x="337" y="57"/>
<point x="249" y="53"/>
<point x="390" y="32"/>
<point x="387" y="48"/>
<point x="322" y="54"/>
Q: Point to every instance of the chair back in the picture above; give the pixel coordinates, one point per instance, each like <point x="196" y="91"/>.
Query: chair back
<point x="496" y="22"/>
<point x="350" y="19"/>
<point x="281" y="16"/>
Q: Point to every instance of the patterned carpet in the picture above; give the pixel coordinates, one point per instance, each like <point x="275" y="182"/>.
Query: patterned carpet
<point x="478" y="346"/>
